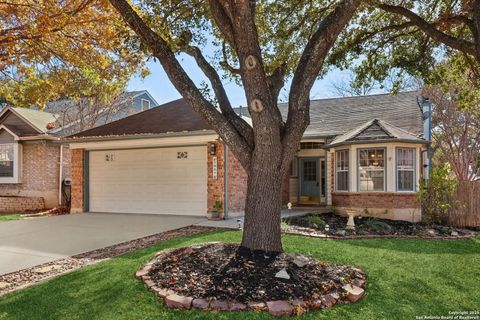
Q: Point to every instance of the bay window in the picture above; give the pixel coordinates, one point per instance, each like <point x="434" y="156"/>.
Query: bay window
<point x="371" y="169"/>
<point x="405" y="169"/>
<point x="341" y="169"/>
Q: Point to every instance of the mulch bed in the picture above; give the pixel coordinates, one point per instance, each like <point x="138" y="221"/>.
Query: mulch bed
<point x="221" y="273"/>
<point x="372" y="227"/>
<point x="23" y="278"/>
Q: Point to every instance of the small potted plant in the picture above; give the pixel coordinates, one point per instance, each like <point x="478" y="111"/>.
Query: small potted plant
<point x="215" y="213"/>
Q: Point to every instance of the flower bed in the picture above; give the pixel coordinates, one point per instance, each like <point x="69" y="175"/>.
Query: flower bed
<point x="222" y="277"/>
<point x="332" y="225"/>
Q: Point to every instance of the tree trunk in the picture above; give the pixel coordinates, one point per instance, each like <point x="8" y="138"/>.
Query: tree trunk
<point x="264" y="203"/>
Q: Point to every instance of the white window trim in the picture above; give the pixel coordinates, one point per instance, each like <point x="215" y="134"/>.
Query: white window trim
<point x="141" y="103"/>
<point x="348" y="171"/>
<point x="413" y="169"/>
<point x="384" y="169"/>
<point x="294" y="168"/>
<point x="17" y="160"/>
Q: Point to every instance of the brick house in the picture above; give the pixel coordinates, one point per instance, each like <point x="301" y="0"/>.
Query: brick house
<point x="33" y="162"/>
<point x="365" y="154"/>
<point x="29" y="160"/>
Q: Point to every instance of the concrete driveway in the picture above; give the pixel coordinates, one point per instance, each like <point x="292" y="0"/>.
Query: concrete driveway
<point x="27" y="243"/>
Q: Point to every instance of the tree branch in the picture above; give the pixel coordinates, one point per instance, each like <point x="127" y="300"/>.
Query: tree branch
<point x="182" y="82"/>
<point x="307" y="71"/>
<point x="431" y="30"/>
<point x="240" y="125"/>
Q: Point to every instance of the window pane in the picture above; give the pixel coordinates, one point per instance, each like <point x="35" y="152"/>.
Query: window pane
<point x="342" y="181"/>
<point x="342" y="170"/>
<point x="371" y="170"/>
<point x="405" y="169"/>
<point x="405" y="180"/>
<point x="6" y="160"/>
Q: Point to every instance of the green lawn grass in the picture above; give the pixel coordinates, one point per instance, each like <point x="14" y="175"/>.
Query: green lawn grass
<point x="406" y="278"/>
<point x="8" y="217"/>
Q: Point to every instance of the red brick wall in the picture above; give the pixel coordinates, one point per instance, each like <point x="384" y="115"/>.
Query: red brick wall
<point x="20" y="204"/>
<point x="386" y="200"/>
<point x="237" y="184"/>
<point x="215" y="186"/>
<point x="40" y="171"/>
<point x="77" y="180"/>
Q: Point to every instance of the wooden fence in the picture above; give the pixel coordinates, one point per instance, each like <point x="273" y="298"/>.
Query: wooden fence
<point x="466" y="209"/>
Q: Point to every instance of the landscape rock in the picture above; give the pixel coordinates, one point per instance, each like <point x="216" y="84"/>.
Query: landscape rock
<point x="219" y="305"/>
<point x="282" y="274"/>
<point x="279" y="308"/>
<point x="201" y="304"/>
<point x="354" y="293"/>
<point x="454" y="234"/>
<point x="300" y="261"/>
<point x="162" y="293"/>
<point x="359" y="283"/>
<point x="257" y="306"/>
<point x="298" y="303"/>
<point x="237" y="306"/>
<point x="141" y="273"/>
<point x="46" y="269"/>
<point x="178" y="302"/>
<point x="4" y="285"/>
<point x="329" y="300"/>
<point x="149" y="283"/>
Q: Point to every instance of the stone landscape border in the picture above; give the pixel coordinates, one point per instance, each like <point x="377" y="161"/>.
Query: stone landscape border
<point x="317" y="235"/>
<point x="23" y="278"/>
<point x="278" y="308"/>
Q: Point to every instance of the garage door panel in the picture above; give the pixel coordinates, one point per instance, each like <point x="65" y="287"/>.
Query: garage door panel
<point x="149" y="181"/>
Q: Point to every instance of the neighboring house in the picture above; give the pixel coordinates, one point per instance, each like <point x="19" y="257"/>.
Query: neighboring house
<point x="29" y="160"/>
<point x="361" y="153"/>
<point x="31" y="176"/>
<point x="76" y="116"/>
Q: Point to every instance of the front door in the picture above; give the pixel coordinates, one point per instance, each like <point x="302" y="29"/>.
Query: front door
<point x="310" y="181"/>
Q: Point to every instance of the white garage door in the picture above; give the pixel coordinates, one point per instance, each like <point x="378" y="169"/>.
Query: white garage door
<point x="156" y="181"/>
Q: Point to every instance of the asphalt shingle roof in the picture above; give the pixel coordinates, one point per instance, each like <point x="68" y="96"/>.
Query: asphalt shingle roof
<point x="334" y="116"/>
<point x="328" y="117"/>
<point x="175" y="116"/>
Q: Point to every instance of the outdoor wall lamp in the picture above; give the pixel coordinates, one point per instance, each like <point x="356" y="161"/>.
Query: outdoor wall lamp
<point x="213" y="149"/>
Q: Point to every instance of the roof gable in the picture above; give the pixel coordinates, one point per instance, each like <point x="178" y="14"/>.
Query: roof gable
<point x="375" y="131"/>
<point x="25" y="121"/>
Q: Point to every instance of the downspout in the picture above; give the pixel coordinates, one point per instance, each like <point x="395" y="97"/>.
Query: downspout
<point x="426" y="106"/>
<point x="60" y="176"/>
<point x="225" y="180"/>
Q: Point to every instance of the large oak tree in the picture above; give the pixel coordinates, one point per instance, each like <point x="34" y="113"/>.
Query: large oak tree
<point x="261" y="43"/>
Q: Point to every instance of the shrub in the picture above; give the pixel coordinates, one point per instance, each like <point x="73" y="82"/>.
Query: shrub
<point x="436" y="195"/>
<point x="308" y="221"/>
<point x="379" y="226"/>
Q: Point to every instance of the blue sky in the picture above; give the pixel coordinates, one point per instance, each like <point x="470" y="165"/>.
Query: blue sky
<point x="163" y="91"/>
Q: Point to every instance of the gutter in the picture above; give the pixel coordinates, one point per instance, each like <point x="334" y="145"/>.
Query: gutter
<point x="327" y="146"/>
<point x="39" y="137"/>
<point x="139" y="136"/>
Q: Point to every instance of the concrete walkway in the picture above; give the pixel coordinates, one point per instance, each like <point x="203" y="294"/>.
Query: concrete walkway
<point x="27" y="243"/>
<point x="236" y="222"/>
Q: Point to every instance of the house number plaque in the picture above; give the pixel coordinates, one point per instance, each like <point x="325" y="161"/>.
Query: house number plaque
<point x="214" y="168"/>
